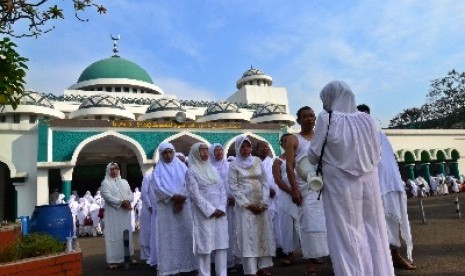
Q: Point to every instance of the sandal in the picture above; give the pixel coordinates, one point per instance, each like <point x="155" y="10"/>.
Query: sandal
<point x="404" y="264"/>
<point x="134" y="262"/>
<point x="310" y="273"/>
<point x="264" y="272"/>
<point x="112" y="266"/>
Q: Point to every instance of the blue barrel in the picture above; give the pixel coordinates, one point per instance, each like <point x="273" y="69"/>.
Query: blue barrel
<point x="55" y="220"/>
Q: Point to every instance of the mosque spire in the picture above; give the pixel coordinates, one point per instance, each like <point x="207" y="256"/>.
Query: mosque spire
<point x="115" y="44"/>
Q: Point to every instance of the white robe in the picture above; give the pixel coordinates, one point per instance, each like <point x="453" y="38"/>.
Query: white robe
<point x="145" y="218"/>
<point x="311" y="214"/>
<point x="174" y="230"/>
<point x="152" y="199"/>
<point x="357" y="233"/>
<point x="209" y="233"/>
<point x="393" y="195"/>
<point x="117" y="219"/>
<point x="273" y="208"/>
<point x="222" y="167"/>
<point x="254" y="232"/>
<point x="288" y="216"/>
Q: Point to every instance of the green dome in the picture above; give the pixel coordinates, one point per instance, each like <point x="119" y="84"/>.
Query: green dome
<point x="114" y="68"/>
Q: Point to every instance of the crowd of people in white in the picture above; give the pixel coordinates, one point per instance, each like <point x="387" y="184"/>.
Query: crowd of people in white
<point x="438" y="185"/>
<point x="204" y="208"/>
<point x="88" y="211"/>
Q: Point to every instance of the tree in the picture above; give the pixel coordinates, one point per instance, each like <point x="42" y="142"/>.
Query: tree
<point x="12" y="72"/>
<point x="445" y="107"/>
<point x="36" y="15"/>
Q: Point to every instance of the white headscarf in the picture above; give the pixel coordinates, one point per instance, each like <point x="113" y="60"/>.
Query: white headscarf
<point x="221" y="165"/>
<point x="116" y="182"/>
<point x="202" y="169"/>
<point x="337" y="96"/>
<point x="61" y="199"/>
<point x="88" y="196"/>
<point x="352" y="143"/>
<point x="170" y="177"/>
<point x="243" y="162"/>
<point x="71" y="199"/>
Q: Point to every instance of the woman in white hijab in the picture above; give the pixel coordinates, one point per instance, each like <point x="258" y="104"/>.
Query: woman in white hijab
<point x="174" y="214"/>
<point x="118" y="196"/>
<point x="357" y="235"/>
<point x="254" y="229"/>
<point x="209" y="211"/>
<point x="221" y="164"/>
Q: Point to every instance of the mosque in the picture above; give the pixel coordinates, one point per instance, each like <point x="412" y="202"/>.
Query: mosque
<point x="115" y="113"/>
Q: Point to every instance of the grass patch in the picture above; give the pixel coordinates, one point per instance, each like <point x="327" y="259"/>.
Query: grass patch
<point x="32" y="245"/>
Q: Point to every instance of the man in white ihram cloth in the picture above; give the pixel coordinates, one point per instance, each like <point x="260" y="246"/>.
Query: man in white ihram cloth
<point x="118" y="196"/>
<point x="357" y="235"/>
<point x="209" y="211"/>
<point x="313" y="235"/>
<point x="394" y="201"/>
<point x="174" y="214"/>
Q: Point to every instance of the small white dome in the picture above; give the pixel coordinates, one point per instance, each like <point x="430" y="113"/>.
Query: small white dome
<point x="271" y="113"/>
<point x="34" y="98"/>
<point x="102" y="100"/>
<point x="101" y="105"/>
<point x="221" y="107"/>
<point x="164" y="104"/>
<point x="223" y="111"/>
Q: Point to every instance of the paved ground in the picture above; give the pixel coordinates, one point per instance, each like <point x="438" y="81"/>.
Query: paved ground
<point x="439" y="244"/>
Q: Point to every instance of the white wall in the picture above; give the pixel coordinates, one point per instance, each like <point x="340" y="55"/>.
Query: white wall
<point x="19" y="147"/>
<point x="260" y="95"/>
<point x="429" y="139"/>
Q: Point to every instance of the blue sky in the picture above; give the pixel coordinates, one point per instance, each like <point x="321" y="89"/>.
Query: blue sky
<point x="387" y="51"/>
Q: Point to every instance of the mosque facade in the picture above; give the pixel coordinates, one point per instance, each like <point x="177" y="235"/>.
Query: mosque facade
<point x="115" y="113"/>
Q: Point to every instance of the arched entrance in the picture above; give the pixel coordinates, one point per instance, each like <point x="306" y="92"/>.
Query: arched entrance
<point x="93" y="158"/>
<point x="182" y="142"/>
<point x="7" y="194"/>
<point x="231" y="150"/>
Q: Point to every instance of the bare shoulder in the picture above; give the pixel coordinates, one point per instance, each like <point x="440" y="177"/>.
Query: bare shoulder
<point x="292" y="141"/>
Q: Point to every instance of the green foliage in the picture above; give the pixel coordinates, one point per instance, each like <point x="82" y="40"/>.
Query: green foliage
<point x="32" y="245"/>
<point x="445" y="107"/>
<point x="12" y="73"/>
<point x="37" y="14"/>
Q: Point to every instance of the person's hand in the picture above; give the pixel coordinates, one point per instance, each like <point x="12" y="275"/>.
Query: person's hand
<point x="296" y="197"/>
<point x="126" y="204"/>
<point x="231" y="201"/>
<point x="217" y="214"/>
<point x="177" y="207"/>
<point x="177" y="198"/>
<point x="272" y="193"/>
<point x="256" y="209"/>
